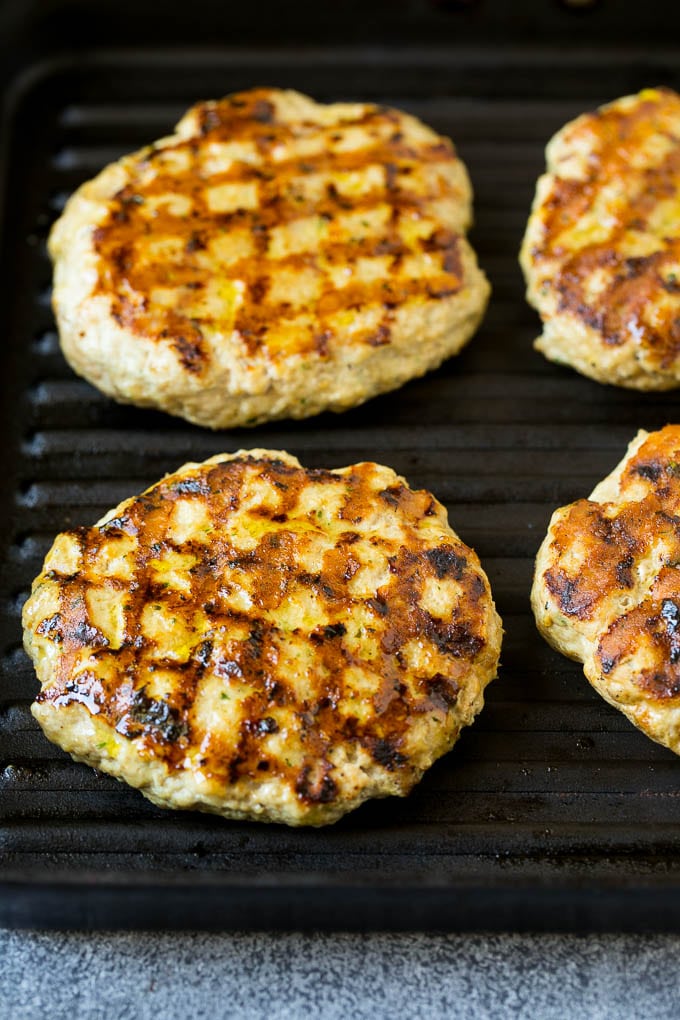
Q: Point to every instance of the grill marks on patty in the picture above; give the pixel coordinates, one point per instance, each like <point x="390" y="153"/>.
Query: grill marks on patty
<point x="243" y="270"/>
<point x="216" y="567"/>
<point x="613" y="571"/>
<point x="607" y="253"/>
<point x="619" y="313"/>
<point x="357" y="205"/>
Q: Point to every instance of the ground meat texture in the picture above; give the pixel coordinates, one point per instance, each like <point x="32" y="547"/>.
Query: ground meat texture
<point x="259" y="640"/>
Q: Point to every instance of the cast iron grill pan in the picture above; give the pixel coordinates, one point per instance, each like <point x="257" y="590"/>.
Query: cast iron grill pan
<point x="552" y="811"/>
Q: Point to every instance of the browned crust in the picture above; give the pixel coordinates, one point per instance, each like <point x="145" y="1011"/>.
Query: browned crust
<point x="251" y="117"/>
<point x="607" y="585"/>
<point x="246" y="645"/>
<point x="630" y="311"/>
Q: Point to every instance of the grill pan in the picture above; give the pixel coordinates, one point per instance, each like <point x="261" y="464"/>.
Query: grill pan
<point x="552" y="812"/>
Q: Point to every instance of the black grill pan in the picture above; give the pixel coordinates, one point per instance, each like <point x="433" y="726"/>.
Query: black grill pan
<point x="552" y="812"/>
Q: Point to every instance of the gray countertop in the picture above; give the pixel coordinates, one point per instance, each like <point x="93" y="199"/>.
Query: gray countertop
<point x="83" y="976"/>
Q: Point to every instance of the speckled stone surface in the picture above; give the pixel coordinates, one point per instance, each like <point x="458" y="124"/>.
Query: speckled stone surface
<point x="288" y="977"/>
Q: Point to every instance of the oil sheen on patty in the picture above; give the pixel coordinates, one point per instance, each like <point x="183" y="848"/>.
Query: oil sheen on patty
<point x="263" y="641"/>
<point x="273" y="258"/>
<point x="607" y="585"/>
<point x="601" y="254"/>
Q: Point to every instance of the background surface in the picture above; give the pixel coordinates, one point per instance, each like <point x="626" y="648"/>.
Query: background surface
<point x="283" y="977"/>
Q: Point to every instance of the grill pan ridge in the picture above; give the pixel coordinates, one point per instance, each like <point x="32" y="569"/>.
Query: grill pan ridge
<point x="552" y="812"/>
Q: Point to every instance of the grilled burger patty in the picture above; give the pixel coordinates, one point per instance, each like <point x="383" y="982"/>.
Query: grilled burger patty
<point x="601" y="254"/>
<point x="607" y="585"/>
<point x="263" y="641"/>
<point x="274" y="258"/>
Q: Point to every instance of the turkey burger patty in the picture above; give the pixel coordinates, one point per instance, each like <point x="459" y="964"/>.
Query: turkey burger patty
<point x="262" y="641"/>
<point x="273" y="258"/>
<point x="601" y="254"/>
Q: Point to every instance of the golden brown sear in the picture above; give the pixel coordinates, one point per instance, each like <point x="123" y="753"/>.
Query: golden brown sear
<point x="274" y="257"/>
<point x="601" y="254"/>
<point x="607" y="585"/>
<point x="259" y="640"/>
